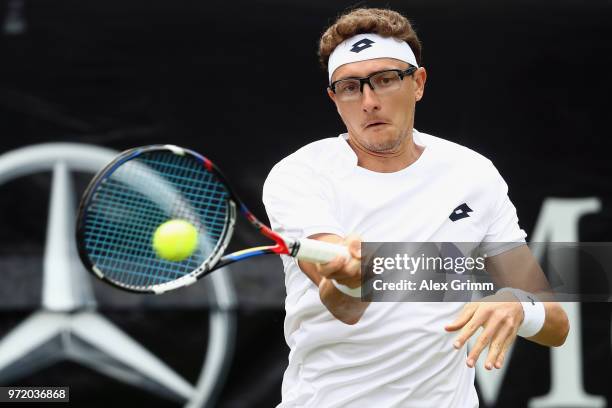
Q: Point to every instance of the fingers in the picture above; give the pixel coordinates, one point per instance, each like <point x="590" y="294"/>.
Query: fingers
<point x="344" y="271"/>
<point x="502" y="354"/>
<point x="483" y="341"/>
<point x="497" y="345"/>
<point x="330" y="268"/>
<point x="465" y="315"/>
<point x="353" y="266"/>
<point x="353" y="242"/>
<point x="500" y="327"/>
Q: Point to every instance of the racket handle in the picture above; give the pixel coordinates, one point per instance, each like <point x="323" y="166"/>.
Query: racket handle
<point x="313" y="250"/>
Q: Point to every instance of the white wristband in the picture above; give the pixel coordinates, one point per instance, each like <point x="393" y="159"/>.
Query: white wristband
<point x="533" y="309"/>
<point x="353" y="292"/>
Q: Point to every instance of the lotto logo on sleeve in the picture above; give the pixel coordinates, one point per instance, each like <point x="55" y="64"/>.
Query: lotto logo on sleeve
<point x="460" y="212"/>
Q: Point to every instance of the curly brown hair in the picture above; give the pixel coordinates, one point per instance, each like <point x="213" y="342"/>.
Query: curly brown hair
<point x="384" y="22"/>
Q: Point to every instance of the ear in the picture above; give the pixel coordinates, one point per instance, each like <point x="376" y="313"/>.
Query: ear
<point x="420" y="77"/>
<point x="331" y="95"/>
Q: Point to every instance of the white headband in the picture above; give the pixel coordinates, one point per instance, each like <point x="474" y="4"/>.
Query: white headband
<point x="369" y="46"/>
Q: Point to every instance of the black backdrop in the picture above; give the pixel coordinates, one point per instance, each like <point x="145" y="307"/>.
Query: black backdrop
<point x="525" y="83"/>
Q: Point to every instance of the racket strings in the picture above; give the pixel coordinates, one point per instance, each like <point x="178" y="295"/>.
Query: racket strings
<point x="107" y="207"/>
<point x="140" y="195"/>
<point x="120" y="200"/>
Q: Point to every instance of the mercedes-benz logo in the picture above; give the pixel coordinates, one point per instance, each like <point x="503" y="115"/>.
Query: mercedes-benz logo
<point x="68" y="314"/>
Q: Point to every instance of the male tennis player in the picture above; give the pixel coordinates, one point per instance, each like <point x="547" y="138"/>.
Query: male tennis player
<point x="385" y="181"/>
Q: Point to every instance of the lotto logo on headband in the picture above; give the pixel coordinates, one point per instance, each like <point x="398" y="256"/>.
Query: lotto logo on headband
<point x="362" y="45"/>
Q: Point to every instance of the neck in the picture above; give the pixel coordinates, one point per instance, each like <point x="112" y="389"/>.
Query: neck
<point x="397" y="159"/>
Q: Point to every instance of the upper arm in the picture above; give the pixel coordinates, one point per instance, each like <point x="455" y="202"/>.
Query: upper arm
<point x="504" y="223"/>
<point x="517" y="268"/>
<point x="300" y="202"/>
<point x="509" y="261"/>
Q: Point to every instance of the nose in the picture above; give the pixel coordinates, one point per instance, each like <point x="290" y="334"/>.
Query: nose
<point x="369" y="100"/>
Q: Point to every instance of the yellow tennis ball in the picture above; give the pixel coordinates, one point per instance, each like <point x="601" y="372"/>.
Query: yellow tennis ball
<point x="175" y="240"/>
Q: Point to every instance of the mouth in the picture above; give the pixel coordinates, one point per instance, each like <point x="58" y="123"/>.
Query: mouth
<point x="371" y="124"/>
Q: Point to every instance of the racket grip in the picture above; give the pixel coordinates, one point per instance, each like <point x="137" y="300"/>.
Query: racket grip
<point x="313" y="250"/>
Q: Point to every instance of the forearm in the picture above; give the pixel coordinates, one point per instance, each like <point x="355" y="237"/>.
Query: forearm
<point x="345" y="308"/>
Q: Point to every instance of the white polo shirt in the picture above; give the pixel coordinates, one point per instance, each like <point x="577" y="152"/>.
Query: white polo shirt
<point x="398" y="354"/>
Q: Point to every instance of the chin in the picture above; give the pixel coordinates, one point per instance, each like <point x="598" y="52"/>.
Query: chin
<point x="383" y="146"/>
<point x="382" y="143"/>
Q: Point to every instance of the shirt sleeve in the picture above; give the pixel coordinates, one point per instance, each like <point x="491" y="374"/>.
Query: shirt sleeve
<point x="299" y="202"/>
<point x="503" y="232"/>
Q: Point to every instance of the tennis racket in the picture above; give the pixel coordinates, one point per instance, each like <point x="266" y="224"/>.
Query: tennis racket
<point x="144" y="187"/>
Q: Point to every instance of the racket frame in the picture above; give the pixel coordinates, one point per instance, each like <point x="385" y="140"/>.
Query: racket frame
<point x="217" y="259"/>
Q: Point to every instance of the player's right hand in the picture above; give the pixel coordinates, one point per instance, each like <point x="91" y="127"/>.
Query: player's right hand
<point x="344" y="271"/>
